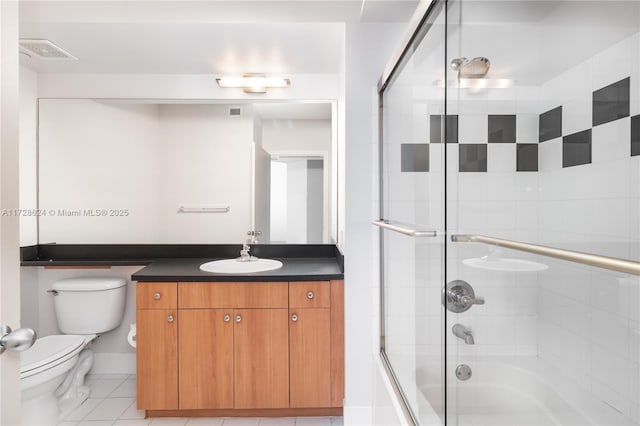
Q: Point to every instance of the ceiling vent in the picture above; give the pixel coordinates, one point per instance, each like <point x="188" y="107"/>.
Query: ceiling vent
<point x="233" y="112"/>
<point x="45" y="49"/>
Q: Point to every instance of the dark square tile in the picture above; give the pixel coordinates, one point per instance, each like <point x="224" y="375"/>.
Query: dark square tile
<point x="527" y="157"/>
<point x="550" y="124"/>
<point x="635" y="135"/>
<point x="414" y="157"/>
<point x="502" y="129"/>
<point x="611" y="102"/>
<point x="576" y="149"/>
<point x="436" y="128"/>
<point x="472" y="157"/>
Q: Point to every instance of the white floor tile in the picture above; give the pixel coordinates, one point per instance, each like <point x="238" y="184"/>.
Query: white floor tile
<point x="110" y="409"/>
<point x="205" y="421"/>
<point x="95" y="423"/>
<point x="278" y="421"/>
<point x="169" y="421"/>
<point x="313" y="421"/>
<point x="103" y="387"/>
<point x="134" y="422"/>
<point x="241" y="421"/>
<point x="132" y="413"/>
<point x="337" y="421"/>
<point x="65" y="423"/>
<point x="84" y="409"/>
<point x="126" y="390"/>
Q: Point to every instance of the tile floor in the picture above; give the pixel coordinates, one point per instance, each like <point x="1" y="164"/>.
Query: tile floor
<point x="113" y="402"/>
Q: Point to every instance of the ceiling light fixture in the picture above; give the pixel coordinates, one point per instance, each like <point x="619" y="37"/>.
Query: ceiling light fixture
<point x="253" y="83"/>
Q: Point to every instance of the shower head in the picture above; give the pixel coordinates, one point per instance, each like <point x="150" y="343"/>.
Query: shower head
<point x="471" y="68"/>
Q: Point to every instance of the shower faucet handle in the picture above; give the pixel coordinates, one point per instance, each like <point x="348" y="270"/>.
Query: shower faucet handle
<point x="459" y="296"/>
<point x="466" y="300"/>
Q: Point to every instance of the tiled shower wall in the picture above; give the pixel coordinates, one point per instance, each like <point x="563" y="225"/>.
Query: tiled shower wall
<point x="576" y="187"/>
<point x="589" y="200"/>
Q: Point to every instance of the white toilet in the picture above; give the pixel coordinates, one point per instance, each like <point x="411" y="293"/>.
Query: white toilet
<point x="52" y="371"/>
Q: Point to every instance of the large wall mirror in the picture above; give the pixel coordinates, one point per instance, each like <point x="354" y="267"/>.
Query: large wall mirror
<point x="139" y="171"/>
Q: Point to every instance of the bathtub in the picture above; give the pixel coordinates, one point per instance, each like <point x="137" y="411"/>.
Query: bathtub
<point x="514" y="391"/>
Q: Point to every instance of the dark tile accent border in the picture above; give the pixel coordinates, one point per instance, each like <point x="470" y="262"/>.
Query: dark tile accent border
<point x="435" y="132"/>
<point x="611" y="102"/>
<point x="472" y="157"/>
<point x="414" y="157"/>
<point x="635" y="135"/>
<point x="527" y="157"/>
<point x="576" y="149"/>
<point x="502" y="128"/>
<point x="550" y="124"/>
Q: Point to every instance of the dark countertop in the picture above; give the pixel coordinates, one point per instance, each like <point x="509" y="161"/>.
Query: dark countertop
<point x="293" y="269"/>
<point x="181" y="262"/>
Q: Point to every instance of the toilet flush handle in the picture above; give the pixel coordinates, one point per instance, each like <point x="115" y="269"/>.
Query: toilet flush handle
<point x="18" y="340"/>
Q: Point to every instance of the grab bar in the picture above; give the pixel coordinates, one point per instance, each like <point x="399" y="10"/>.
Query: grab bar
<point x="605" y="262"/>
<point x="404" y="228"/>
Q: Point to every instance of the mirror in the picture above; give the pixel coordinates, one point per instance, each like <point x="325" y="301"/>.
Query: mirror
<point x="141" y="171"/>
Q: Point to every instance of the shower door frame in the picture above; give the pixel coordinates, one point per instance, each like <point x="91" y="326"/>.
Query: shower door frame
<point x="416" y="31"/>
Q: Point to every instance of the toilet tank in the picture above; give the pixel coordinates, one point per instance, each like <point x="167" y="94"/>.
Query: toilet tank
<point x="89" y="305"/>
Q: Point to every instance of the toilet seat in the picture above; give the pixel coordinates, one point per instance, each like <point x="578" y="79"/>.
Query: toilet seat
<point x="50" y="351"/>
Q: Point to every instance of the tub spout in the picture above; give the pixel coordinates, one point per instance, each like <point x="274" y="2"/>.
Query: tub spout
<point x="464" y="333"/>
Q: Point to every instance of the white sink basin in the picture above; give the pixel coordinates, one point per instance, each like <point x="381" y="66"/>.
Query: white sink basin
<point x="235" y="266"/>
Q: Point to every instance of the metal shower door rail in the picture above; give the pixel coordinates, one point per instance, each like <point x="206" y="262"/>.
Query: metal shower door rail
<point x="404" y="228"/>
<point x="604" y="262"/>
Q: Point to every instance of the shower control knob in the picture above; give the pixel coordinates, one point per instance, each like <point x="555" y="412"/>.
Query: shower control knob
<point x="156" y="296"/>
<point x="459" y="296"/>
<point x="310" y="295"/>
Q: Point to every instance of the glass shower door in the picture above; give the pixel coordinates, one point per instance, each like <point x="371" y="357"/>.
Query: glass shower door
<point x="411" y="223"/>
<point x="543" y="243"/>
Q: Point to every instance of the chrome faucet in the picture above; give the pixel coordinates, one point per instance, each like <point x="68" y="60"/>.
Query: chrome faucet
<point x="464" y="333"/>
<point x="244" y="253"/>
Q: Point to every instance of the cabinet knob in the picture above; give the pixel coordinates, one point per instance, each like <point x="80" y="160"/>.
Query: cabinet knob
<point x="227" y="318"/>
<point x="310" y="295"/>
<point x="156" y="296"/>
<point x="170" y="318"/>
<point x="238" y="318"/>
<point x="294" y="318"/>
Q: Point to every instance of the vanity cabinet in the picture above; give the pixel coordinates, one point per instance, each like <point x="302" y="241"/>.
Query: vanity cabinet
<point x="234" y="347"/>
<point x="157" y="346"/>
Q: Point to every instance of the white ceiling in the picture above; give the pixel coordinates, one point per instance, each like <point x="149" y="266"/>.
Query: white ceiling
<point x="200" y="37"/>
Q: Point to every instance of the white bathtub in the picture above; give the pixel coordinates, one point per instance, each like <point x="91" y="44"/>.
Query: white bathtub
<point x="514" y="391"/>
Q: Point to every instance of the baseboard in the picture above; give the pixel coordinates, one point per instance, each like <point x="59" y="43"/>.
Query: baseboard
<point x="114" y="363"/>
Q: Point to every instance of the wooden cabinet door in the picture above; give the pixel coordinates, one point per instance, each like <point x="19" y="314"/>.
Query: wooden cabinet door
<point x="261" y="360"/>
<point x="206" y="358"/>
<point x="310" y="357"/>
<point x="157" y="359"/>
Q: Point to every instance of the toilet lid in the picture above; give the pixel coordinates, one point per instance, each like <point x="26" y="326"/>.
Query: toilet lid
<point x="49" y="350"/>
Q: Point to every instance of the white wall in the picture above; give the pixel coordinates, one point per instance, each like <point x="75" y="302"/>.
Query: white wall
<point x="368" y="46"/>
<point x="296" y="135"/>
<point x="96" y="155"/>
<point x="205" y="159"/>
<point x="149" y="160"/>
<point x="28" y="154"/>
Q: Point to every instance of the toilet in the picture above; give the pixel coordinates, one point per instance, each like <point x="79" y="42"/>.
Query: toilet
<point x="52" y="371"/>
